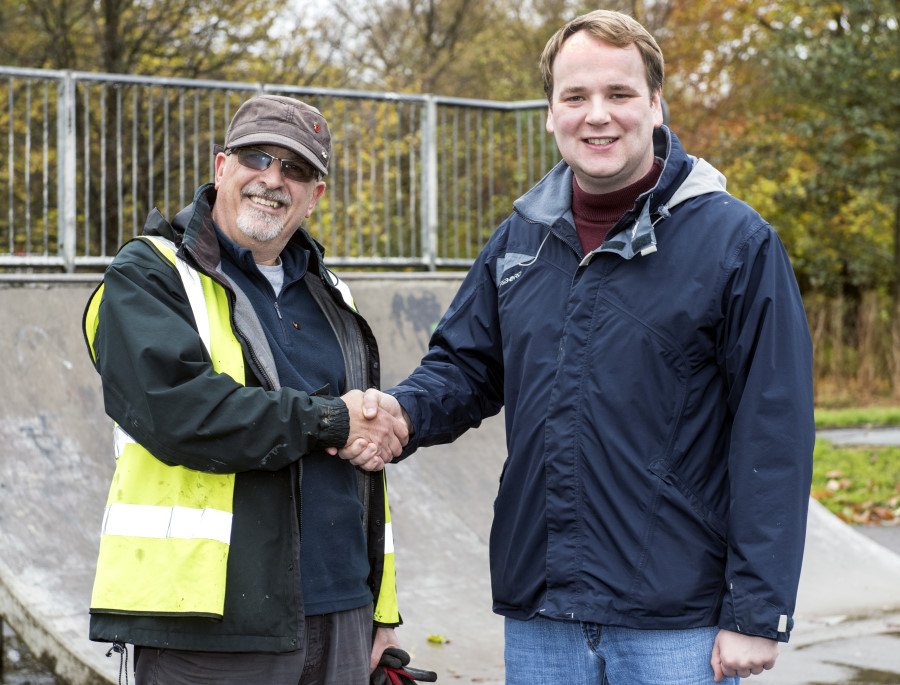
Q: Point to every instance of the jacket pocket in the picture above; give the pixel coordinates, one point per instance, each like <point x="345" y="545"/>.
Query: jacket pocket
<point x="710" y="520"/>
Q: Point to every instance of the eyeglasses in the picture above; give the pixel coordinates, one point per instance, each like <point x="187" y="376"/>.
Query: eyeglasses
<point x="255" y="159"/>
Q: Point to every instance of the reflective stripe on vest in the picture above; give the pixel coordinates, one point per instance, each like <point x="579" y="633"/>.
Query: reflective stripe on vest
<point x="343" y="289"/>
<point x="147" y="521"/>
<point x="386" y="607"/>
<point x="166" y="529"/>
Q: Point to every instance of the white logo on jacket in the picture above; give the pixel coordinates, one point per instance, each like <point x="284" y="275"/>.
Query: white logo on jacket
<point x="509" y="279"/>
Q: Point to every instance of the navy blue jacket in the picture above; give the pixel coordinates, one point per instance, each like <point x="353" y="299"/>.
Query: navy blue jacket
<point x="659" y="410"/>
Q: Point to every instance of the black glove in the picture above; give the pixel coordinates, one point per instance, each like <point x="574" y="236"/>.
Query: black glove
<point x="393" y="670"/>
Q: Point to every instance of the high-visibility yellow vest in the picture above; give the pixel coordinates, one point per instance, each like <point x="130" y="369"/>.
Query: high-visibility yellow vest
<point x="166" y="529"/>
<point x="387" y="609"/>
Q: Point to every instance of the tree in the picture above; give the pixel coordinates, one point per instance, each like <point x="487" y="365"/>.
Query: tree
<point x="236" y="40"/>
<point x="803" y="117"/>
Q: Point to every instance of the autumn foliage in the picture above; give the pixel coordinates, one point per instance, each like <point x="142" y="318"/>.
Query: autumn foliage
<point x="797" y="102"/>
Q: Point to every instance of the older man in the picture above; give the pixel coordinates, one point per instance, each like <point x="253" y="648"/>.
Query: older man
<point x="235" y="548"/>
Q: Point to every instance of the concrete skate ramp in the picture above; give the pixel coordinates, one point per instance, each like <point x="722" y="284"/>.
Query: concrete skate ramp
<point x="56" y="461"/>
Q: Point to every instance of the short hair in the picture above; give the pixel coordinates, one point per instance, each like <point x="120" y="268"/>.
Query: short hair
<point x="611" y="27"/>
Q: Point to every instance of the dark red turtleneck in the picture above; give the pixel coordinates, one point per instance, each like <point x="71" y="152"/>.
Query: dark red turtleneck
<point x="596" y="214"/>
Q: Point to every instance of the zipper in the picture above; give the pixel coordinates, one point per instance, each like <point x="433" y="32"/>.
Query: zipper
<point x="268" y="384"/>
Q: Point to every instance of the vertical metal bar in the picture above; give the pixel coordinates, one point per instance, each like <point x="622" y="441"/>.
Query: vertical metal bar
<point x="359" y="196"/>
<point x="454" y="181"/>
<point x="45" y="192"/>
<point x="26" y="172"/>
<point x="385" y="185"/>
<point x="467" y="220"/>
<point x="479" y="176"/>
<point x="135" y="226"/>
<point x="120" y="170"/>
<point x="443" y="176"/>
<point x="66" y="190"/>
<point x="166" y="156"/>
<point x="196" y="137"/>
<point x="518" y="149"/>
<point x="181" y="172"/>
<point x="212" y="135"/>
<point x="151" y="145"/>
<point x="503" y="166"/>
<point x="413" y="176"/>
<point x="429" y="183"/>
<point x="346" y="208"/>
<point x="398" y="181"/>
<point x="373" y="184"/>
<point x="86" y="124"/>
<point x="491" y="146"/>
<point x="333" y="196"/>
<point x="529" y="144"/>
<point x="103" y="247"/>
<point x="11" y="172"/>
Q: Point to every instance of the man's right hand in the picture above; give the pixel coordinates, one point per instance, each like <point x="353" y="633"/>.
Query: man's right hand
<point x="378" y="430"/>
<point x="736" y="654"/>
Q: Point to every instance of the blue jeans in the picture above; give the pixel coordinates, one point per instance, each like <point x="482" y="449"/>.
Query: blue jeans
<point x="542" y="650"/>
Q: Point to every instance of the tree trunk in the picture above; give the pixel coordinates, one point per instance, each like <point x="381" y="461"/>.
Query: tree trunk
<point x="838" y="346"/>
<point x="895" y="318"/>
<point x="867" y="337"/>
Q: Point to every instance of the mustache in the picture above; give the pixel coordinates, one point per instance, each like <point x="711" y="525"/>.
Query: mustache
<point x="259" y="190"/>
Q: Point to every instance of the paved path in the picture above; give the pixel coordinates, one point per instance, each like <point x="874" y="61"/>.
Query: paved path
<point x="55" y="464"/>
<point x="862" y="436"/>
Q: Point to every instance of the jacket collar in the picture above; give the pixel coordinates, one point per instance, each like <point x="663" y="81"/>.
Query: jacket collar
<point x="682" y="177"/>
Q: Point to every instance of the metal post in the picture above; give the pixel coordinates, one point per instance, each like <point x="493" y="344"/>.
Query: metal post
<point x="429" y="208"/>
<point x="65" y="190"/>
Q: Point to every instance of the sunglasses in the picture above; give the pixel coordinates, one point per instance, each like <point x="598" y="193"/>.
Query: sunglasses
<point x="258" y="160"/>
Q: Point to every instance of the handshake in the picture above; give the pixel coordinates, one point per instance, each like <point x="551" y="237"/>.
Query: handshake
<point x="379" y="429"/>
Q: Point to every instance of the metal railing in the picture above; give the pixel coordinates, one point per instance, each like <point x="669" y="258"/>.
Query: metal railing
<point x="415" y="181"/>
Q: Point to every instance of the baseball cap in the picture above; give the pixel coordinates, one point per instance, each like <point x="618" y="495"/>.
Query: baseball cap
<point x="283" y="121"/>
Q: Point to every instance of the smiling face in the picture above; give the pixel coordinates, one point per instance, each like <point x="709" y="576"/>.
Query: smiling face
<point x="602" y="113"/>
<point x="261" y="210"/>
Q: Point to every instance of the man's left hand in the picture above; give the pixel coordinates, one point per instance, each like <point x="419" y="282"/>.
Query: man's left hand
<point x="740" y="655"/>
<point x="384" y="638"/>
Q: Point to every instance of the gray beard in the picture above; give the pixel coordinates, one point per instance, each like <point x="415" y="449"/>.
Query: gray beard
<point x="259" y="226"/>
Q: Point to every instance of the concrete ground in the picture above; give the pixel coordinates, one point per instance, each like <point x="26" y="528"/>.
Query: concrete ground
<point x="887" y="536"/>
<point x="55" y="464"/>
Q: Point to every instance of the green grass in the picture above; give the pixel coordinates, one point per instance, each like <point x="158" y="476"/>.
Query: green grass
<point x="859" y="484"/>
<point x="858" y="417"/>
